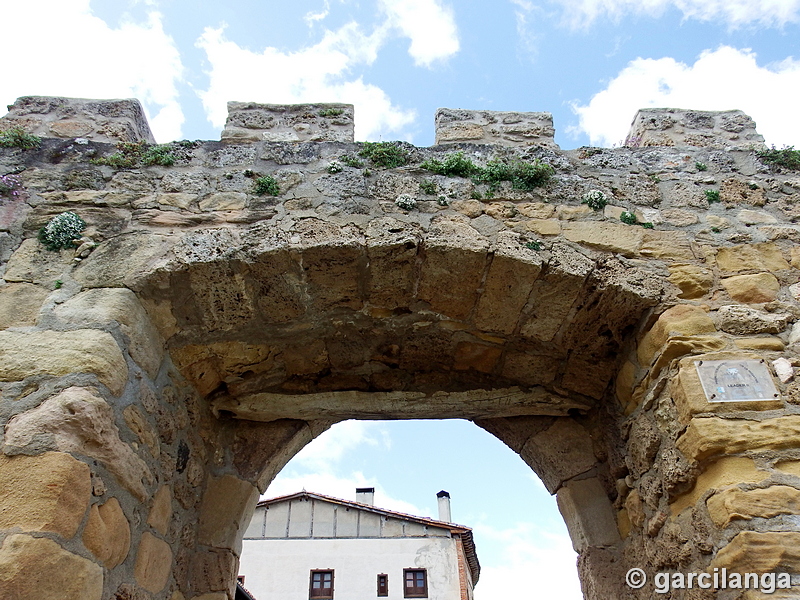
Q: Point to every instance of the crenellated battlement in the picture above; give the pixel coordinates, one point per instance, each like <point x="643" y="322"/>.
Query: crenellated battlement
<point x="250" y="122"/>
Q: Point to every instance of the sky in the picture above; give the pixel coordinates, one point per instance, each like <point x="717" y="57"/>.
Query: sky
<point x="519" y="534"/>
<point x="592" y="63"/>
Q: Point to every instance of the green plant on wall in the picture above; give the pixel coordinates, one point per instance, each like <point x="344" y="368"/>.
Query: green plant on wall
<point x="522" y="175"/>
<point x="137" y="154"/>
<point x="385" y="154"/>
<point x="62" y="231"/>
<point x="712" y="196"/>
<point x="17" y="138"/>
<point x="787" y="157"/>
<point x="595" y="199"/>
<point x="266" y="186"/>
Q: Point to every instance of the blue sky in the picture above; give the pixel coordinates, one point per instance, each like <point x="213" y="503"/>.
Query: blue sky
<point x="518" y="531"/>
<point x="591" y="63"/>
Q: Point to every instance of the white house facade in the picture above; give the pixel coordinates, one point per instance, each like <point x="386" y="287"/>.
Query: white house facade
<point x="307" y="546"/>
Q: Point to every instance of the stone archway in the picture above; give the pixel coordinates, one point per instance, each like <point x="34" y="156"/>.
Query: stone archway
<point x="206" y="333"/>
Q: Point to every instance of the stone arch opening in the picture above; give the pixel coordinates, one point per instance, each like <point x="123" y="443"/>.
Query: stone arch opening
<point x="280" y="334"/>
<point x="156" y="377"/>
<point x="517" y="528"/>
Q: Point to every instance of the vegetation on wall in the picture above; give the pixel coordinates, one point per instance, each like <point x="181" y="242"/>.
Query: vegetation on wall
<point x="137" y="154"/>
<point x="787" y="157"/>
<point x="522" y="175"/>
<point x="266" y="185"/>
<point x="17" y="138"/>
<point x="62" y="231"/>
<point x="385" y="154"/>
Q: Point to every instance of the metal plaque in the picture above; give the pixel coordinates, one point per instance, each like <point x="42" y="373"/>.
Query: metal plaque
<point x="736" y="380"/>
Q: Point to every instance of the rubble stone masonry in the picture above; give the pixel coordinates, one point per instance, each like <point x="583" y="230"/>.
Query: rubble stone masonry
<point x="156" y="377"/>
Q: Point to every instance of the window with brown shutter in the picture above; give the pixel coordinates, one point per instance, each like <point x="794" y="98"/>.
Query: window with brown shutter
<point x="321" y="585"/>
<point x="383" y="585"/>
<point x="415" y="583"/>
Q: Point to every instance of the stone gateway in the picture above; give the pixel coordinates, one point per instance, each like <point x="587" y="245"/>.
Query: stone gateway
<point x="210" y="307"/>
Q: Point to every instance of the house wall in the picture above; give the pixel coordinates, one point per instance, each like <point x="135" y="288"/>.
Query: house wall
<point x="280" y="569"/>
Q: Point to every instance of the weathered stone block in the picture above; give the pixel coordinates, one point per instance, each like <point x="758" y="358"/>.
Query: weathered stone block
<point x="39" y="568"/>
<point x="679" y="127"/>
<point x="392" y="248"/>
<point x="681" y="320"/>
<point x="743" y="320"/>
<point x="733" y="192"/>
<point x="768" y="343"/>
<point x="508" y="285"/>
<point x="227" y="506"/>
<point x="727" y="471"/>
<point x="709" y="436"/>
<point x="153" y="563"/>
<point x="138" y="424"/>
<point x="624" y="239"/>
<point x="76" y="420"/>
<point x="48" y="492"/>
<point x="161" y="511"/>
<point x="559" y="453"/>
<point x="453" y="267"/>
<point x="544" y="226"/>
<point x="33" y="263"/>
<point x="253" y="122"/>
<point x="20" y="303"/>
<point x="494" y="127"/>
<point x="107" y="534"/>
<point x="757" y="552"/>
<point x="97" y="120"/>
<point x="103" y="306"/>
<point x="694" y="281"/>
<point x="554" y="294"/>
<point x="588" y="514"/>
<point x="224" y="201"/>
<point x="666" y="245"/>
<point x="752" y="289"/>
<point x="751" y="257"/>
<point x="732" y="504"/>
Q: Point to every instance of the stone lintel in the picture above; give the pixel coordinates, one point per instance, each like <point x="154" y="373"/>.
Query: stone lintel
<point x="113" y="121"/>
<point x="705" y="129"/>
<point x="495" y="127"/>
<point x="321" y="122"/>
<point x="472" y="404"/>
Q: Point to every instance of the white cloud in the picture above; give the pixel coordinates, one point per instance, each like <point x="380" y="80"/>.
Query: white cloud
<point x="526" y="14"/>
<point x="771" y="13"/>
<point x="722" y="79"/>
<point x="327" y="450"/>
<point x="319" y="73"/>
<point x="429" y="24"/>
<point x="530" y="553"/>
<point x="58" y="48"/>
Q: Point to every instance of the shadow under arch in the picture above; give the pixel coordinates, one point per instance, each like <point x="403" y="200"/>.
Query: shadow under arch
<point x="282" y="333"/>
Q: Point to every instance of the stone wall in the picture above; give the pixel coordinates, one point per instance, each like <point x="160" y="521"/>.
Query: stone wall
<point x="158" y="375"/>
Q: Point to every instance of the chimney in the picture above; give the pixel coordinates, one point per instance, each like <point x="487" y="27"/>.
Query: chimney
<point x="444" y="506"/>
<point x="366" y="496"/>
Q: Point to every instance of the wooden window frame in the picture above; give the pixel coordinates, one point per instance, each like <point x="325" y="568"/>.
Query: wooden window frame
<point x="311" y="588"/>
<point x="383" y="590"/>
<point x="416" y="592"/>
